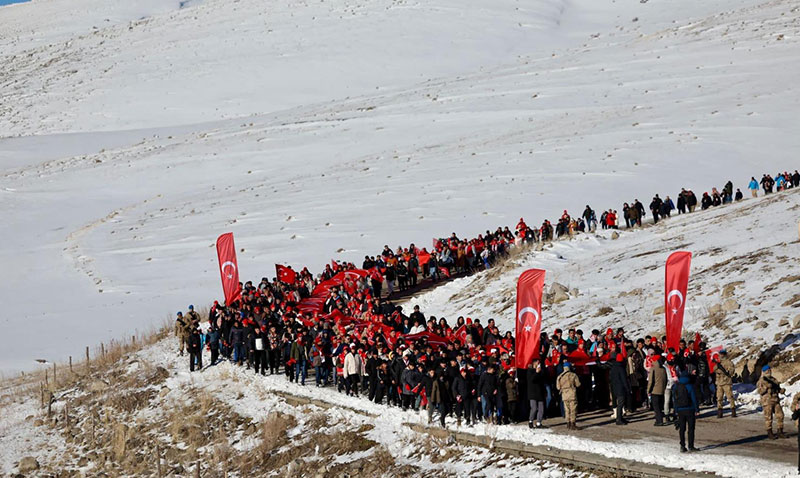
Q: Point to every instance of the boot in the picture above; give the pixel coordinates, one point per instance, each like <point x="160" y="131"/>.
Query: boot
<point x="780" y="433"/>
<point x="733" y="413"/>
<point x="458" y="421"/>
<point x="719" y="413"/>
<point x="530" y="424"/>
<point x="569" y="425"/>
<point x="770" y="434"/>
<point x="576" y="427"/>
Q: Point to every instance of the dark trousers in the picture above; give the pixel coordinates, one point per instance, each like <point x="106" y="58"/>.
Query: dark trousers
<point x="214" y="352"/>
<point x="408" y="401"/>
<point x="378" y="394"/>
<point x="260" y="361"/>
<point x="620" y="402"/>
<point x="658" y="408"/>
<point x="274" y="360"/>
<point x="686" y="419"/>
<point x="464" y="408"/>
<point x="198" y="356"/>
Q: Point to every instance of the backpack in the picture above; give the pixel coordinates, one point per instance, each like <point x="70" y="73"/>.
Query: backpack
<point x="681" y="396"/>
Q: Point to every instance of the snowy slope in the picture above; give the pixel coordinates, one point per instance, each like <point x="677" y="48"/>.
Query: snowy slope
<point x="751" y="248"/>
<point x="325" y="130"/>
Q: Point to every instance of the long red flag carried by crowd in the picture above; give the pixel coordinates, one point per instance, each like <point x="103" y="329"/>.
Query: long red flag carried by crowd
<point x="228" y="267"/>
<point x="677" y="281"/>
<point x="529" y="316"/>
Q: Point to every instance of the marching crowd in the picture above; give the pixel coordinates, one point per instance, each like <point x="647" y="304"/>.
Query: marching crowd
<point x="361" y="344"/>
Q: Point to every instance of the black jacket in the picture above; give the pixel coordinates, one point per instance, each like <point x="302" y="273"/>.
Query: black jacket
<point x="487" y="384"/>
<point x="619" y="380"/>
<point x="536" y="385"/>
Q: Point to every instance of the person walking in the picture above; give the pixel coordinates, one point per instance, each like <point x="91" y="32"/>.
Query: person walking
<point x="770" y="389"/>
<point x="567" y="383"/>
<point x="723" y="379"/>
<point x="687" y="408"/>
<point x="753" y="187"/>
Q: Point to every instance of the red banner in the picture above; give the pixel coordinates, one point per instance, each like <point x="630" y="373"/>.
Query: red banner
<point x="424" y="257"/>
<point x="316" y="302"/>
<point x="677" y="281"/>
<point x="228" y="268"/>
<point x="434" y="340"/>
<point x="285" y="274"/>
<point x="529" y="316"/>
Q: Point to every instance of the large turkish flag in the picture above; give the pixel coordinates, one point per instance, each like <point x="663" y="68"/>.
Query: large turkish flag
<point x="677" y="281"/>
<point x="285" y="274"/>
<point x="228" y="268"/>
<point x="529" y="316"/>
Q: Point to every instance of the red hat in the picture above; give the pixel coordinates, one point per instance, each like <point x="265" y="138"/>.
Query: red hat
<point x="609" y="331"/>
<point x="653" y="340"/>
<point x="670" y="357"/>
<point x="620" y="358"/>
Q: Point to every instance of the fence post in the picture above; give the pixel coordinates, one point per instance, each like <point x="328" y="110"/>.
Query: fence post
<point x="87" y="355"/>
<point x="102" y="349"/>
<point x="197" y="469"/>
<point x="55" y="381"/>
<point x="45" y="378"/>
<point x="70" y="364"/>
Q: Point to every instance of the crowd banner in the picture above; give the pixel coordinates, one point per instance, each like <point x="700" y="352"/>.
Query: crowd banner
<point x="676" y="284"/>
<point x="228" y="267"/>
<point x="529" y="316"/>
<point x="285" y="274"/>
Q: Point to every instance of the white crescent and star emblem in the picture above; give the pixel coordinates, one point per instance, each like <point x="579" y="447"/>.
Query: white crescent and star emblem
<point x="522" y="313"/>
<point x="675" y="292"/>
<point x="226" y="264"/>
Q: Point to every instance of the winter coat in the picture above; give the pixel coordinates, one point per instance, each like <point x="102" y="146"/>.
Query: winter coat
<point x="461" y="388"/>
<point x="683" y="381"/>
<point x="236" y="336"/>
<point x="619" y="380"/>
<point x="352" y="364"/>
<point x="487" y="384"/>
<point x="769" y="389"/>
<point x="195" y="343"/>
<point x="567" y="383"/>
<point x="409" y="380"/>
<point x="298" y="352"/>
<point x="511" y="389"/>
<point x="536" y="385"/>
<point x="213" y="336"/>
<point x="721" y="377"/>
<point x="657" y="379"/>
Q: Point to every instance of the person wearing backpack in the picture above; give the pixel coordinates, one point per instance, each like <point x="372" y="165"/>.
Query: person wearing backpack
<point x="687" y="409"/>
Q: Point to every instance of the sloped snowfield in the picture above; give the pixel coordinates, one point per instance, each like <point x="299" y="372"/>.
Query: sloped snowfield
<point x="319" y="130"/>
<point x="742" y="287"/>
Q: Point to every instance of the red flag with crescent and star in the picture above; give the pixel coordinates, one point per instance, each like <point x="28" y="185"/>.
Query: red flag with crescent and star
<point x="228" y="267"/>
<point x="529" y="316"/>
<point x="285" y="274"/>
<point x="676" y="284"/>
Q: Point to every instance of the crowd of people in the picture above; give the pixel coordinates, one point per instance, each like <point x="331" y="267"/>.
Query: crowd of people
<point x="362" y="344"/>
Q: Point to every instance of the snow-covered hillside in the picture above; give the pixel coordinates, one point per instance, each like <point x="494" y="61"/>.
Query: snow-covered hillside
<point x="319" y="130"/>
<point x="742" y="290"/>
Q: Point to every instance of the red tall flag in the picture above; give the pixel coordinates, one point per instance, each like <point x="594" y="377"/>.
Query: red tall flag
<point x="677" y="281"/>
<point x="228" y="268"/>
<point x="529" y="316"/>
<point x="285" y="274"/>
